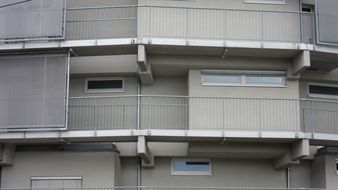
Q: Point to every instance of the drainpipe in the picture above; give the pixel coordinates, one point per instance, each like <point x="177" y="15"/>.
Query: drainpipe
<point x="288" y="182"/>
<point x="139" y="178"/>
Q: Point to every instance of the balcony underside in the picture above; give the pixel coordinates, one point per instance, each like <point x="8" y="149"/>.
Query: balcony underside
<point x="166" y="136"/>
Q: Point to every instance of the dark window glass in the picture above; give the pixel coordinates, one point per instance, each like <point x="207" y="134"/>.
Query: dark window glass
<point x="326" y="90"/>
<point x="337" y="166"/>
<point x="197" y="163"/>
<point x="105" y="84"/>
<point x="181" y="166"/>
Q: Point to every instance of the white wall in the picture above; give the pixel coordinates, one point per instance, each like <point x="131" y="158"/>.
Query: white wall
<point x="77" y="86"/>
<point x="226" y="173"/>
<point x="98" y="169"/>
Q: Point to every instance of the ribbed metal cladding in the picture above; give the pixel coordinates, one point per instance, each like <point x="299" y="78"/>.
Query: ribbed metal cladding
<point x="327" y="20"/>
<point x="31" y="19"/>
<point x="33" y="91"/>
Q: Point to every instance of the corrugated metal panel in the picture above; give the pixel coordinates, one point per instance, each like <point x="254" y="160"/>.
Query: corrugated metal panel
<point x="33" y="91"/>
<point x="327" y="16"/>
<point x="32" y="19"/>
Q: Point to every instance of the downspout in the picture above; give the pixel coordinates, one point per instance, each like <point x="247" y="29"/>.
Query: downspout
<point x="139" y="173"/>
<point x="288" y="182"/>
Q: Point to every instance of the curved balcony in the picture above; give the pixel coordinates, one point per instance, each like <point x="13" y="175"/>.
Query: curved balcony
<point x="189" y="23"/>
<point x="182" y="113"/>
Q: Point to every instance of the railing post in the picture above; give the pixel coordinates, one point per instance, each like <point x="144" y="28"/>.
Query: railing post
<point x="301" y="27"/>
<point x="138" y="127"/>
<point x="262" y="26"/>
<point x="260" y="115"/>
<point x="95" y="104"/>
<point x="223" y="112"/>
<point x="312" y="116"/>
<point x="123" y="115"/>
<point x="187" y="117"/>
<point x="187" y="24"/>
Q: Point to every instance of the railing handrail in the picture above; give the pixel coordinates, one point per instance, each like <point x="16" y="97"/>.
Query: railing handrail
<point x="166" y="187"/>
<point x="192" y="8"/>
<point x="204" y="97"/>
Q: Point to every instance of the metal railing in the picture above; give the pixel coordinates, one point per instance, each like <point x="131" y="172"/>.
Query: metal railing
<point x="169" y="188"/>
<point x="228" y="24"/>
<point x="101" y="22"/>
<point x="188" y="23"/>
<point x="202" y="113"/>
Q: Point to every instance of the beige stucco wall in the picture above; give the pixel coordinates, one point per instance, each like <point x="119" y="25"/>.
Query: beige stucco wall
<point x="77" y="86"/>
<point x="97" y="169"/>
<point x="324" y="172"/>
<point x="226" y="173"/>
<point x="300" y="175"/>
<point x="243" y="114"/>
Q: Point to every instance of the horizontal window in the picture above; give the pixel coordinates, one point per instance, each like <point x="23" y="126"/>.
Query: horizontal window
<point x="190" y="167"/>
<point x="104" y="85"/>
<point x="266" y="1"/>
<point x="243" y="78"/>
<point x="323" y="90"/>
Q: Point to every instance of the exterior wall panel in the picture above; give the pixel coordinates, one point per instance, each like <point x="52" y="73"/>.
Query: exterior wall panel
<point x="33" y="91"/>
<point x="97" y="169"/>
<point x="225" y="173"/>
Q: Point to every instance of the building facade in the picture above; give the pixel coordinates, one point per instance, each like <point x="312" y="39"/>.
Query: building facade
<point x="168" y="94"/>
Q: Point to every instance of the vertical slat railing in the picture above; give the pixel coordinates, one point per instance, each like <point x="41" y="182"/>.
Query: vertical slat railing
<point x="221" y="24"/>
<point x="203" y="113"/>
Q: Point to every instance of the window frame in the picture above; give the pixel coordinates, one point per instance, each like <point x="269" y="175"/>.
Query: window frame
<point x="191" y="173"/>
<point x="243" y="74"/>
<point x="313" y="95"/>
<point x="108" y="90"/>
<point x="265" y="2"/>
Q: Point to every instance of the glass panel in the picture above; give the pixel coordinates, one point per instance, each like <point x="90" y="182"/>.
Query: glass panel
<point x="222" y="78"/>
<point x="105" y="84"/>
<point x="327" y="90"/>
<point x="265" y="80"/>
<point x="183" y="166"/>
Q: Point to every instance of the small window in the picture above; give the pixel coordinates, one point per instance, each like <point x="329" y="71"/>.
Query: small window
<point x="337" y="166"/>
<point x="266" y="1"/>
<point x="323" y="90"/>
<point x="243" y="78"/>
<point x="191" y="167"/>
<point x="96" y="85"/>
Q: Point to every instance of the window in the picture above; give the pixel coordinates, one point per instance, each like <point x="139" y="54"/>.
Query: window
<point x="266" y="1"/>
<point x="323" y="90"/>
<point x="95" y="85"/>
<point x="243" y="78"/>
<point x="190" y="167"/>
<point x="337" y="166"/>
<point x="56" y="182"/>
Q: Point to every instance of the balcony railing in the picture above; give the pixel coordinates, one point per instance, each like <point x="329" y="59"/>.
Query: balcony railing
<point x="203" y="113"/>
<point x="168" y="188"/>
<point x="101" y="23"/>
<point x="188" y="23"/>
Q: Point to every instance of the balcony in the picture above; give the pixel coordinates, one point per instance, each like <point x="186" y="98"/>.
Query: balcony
<point x="168" y="188"/>
<point x="188" y="23"/>
<point x="202" y="113"/>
